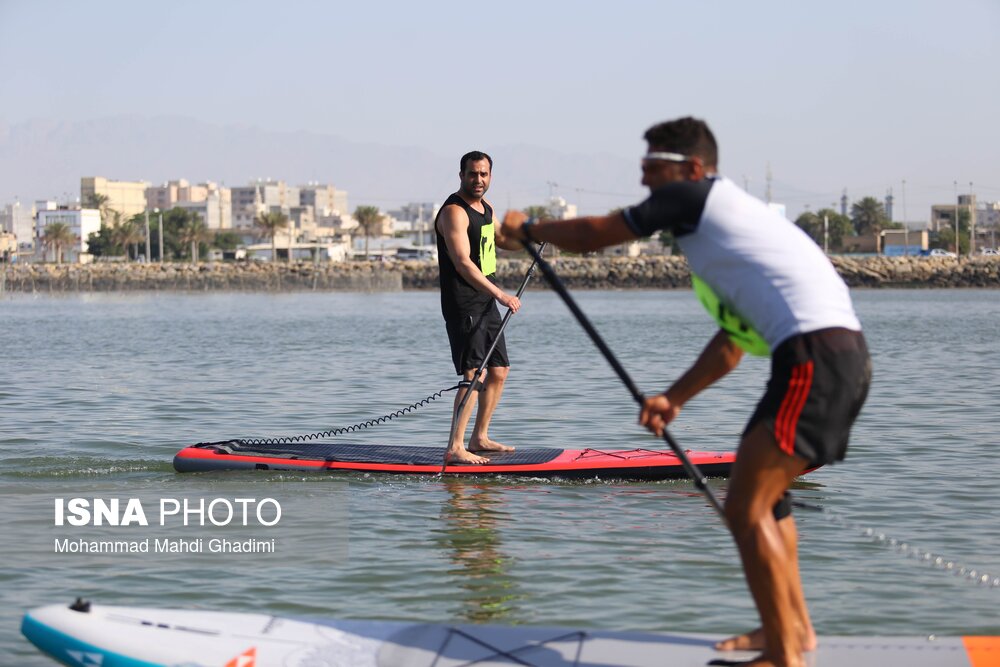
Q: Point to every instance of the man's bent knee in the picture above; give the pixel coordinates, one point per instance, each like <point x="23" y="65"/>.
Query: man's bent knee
<point x="497" y="373"/>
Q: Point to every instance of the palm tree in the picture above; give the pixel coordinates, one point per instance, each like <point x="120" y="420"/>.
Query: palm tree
<point x="268" y="225"/>
<point x="868" y="216"/>
<point x="58" y="235"/>
<point x="127" y="233"/>
<point x="194" y="231"/>
<point x="537" y="211"/>
<point x="100" y="202"/>
<point x="369" y="219"/>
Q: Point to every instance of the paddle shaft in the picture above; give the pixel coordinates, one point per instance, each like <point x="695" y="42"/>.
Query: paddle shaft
<point x="496" y="340"/>
<point x="691" y="469"/>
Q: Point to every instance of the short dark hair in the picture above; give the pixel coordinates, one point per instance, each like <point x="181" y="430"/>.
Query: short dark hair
<point x="474" y="156"/>
<point x="688" y="136"/>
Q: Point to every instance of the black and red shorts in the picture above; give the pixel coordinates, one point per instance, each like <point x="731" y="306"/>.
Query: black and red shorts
<point x="819" y="381"/>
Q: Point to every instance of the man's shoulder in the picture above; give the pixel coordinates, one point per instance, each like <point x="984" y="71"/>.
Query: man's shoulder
<point x="453" y="209"/>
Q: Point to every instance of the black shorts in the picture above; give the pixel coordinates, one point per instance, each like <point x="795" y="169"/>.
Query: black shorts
<point x="819" y="381"/>
<point x="471" y="337"/>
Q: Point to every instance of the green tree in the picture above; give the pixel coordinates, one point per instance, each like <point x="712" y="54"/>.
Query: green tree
<point x="174" y="221"/>
<point x="837" y="227"/>
<point x="868" y="217"/>
<point x="127" y="233"/>
<point x="812" y="225"/>
<point x="227" y="239"/>
<point x="268" y="224"/>
<point x="100" y="243"/>
<point x="945" y="239"/>
<point x="193" y="232"/>
<point x="57" y="236"/>
<point x="100" y="202"/>
<point x="369" y="219"/>
<point x="537" y="212"/>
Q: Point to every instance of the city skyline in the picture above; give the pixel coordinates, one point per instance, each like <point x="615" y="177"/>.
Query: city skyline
<point x="849" y="96"/>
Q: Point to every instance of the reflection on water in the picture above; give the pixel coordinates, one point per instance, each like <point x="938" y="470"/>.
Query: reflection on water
<point x="470" y="533"/>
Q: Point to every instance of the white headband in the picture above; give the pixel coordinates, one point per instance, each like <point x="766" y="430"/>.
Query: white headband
<point x="669" y="157"/>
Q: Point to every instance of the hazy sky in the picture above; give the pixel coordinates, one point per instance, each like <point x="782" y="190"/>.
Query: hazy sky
<point x="855" y="94"/>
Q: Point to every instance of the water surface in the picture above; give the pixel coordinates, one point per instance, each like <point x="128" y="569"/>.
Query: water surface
<point x="100" y="391"/>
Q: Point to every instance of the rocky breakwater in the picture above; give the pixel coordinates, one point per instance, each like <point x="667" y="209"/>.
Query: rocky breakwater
<point x="982" y="271"/>
<point x="214" y="276"/>
<point x="577" y="272"/>
<point x="647" y="272"/>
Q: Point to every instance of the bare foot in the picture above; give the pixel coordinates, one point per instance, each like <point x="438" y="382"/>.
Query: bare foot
<point x="487" y="445"/>
<point x="751" y="641"/>
<point x="754" y="641"/>
<point x="460" y="455"/>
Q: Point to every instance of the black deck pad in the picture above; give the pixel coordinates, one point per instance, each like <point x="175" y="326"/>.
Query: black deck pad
<point x="386" y="454"/>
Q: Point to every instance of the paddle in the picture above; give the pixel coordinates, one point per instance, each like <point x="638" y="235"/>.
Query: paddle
<point x="479" y="371"/>
<point x="693" y="472"/>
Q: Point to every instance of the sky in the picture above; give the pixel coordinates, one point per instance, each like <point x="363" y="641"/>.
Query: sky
<point x="855" y="94"/>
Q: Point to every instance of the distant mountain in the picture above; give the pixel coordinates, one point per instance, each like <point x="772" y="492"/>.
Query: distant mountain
<point x="45" y="159"/>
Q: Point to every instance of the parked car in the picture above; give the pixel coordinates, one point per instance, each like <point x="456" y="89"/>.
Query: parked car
<point x="941" y="252"/>
<point x="989" y="251"/>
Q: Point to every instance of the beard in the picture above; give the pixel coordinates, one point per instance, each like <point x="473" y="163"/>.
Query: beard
<point x="470" y="193"/>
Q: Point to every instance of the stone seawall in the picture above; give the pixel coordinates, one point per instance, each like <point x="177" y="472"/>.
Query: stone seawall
<point x="576" y="272"/>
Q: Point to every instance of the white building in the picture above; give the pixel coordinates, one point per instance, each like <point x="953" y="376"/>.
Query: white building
<point x="20" y="221"/>
<point x="81" y="222"/>
<point x="214" y="209"/>
<point x="558" y="209"/>
<point x="211" y="201"/>
<point x="306" y="252"/>
<point x="260" y="197"/>
<point x="325" y="200"/>
<point x="416" y="222"/>
<point x="988" y="224"/>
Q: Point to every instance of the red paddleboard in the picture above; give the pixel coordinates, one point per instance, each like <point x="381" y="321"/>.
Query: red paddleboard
<point x="627" y="464"/>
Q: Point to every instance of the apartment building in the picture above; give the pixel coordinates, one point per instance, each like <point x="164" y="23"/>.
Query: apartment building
<point x="326" y="200"/>
<point x="19" y="221"/>
<point x="260" y="197"/>
<point x="209" y="200"/>
<point x="126" y="197"/>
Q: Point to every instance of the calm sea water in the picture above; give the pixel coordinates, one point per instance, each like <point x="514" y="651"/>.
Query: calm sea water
<point x="100" y="391"/>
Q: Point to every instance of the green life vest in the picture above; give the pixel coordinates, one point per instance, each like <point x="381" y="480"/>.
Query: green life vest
<point x="488" y="249"/>
<point x="741" y="333"/>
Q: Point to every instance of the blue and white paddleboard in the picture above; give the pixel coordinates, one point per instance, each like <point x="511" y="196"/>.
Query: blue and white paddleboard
<point x="99" y="636"/>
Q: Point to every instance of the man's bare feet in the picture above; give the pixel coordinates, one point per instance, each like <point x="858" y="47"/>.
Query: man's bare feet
<point x="754" y="641"/>
<point x="460" y="455"/>
<point x="751" y="641"/>
<point x="487" y="445"/>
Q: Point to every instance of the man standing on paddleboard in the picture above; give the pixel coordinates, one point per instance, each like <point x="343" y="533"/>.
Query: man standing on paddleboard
<point x="773" y="292"/>
<point x="467" y="238"/>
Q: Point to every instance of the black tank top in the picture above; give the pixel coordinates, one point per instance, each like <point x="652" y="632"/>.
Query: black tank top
<point x="458" y="297"/>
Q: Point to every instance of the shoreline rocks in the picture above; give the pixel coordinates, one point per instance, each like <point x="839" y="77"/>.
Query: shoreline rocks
<point x="645" y="272"/>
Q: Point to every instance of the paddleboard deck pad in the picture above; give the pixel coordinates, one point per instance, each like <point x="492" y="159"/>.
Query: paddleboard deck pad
<point x="633" y="464"/>
<point x="135" y="637"/>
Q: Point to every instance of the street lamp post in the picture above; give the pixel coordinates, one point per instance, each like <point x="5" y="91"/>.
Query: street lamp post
<point x="148" y="256"/>
<point x="972" y="222"/>
<point x="156" y="210"/>
<point x="958" y="247"/>
<point x="906" y="228"/>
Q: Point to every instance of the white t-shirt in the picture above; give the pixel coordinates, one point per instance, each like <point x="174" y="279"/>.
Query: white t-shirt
<point x="757" y="262"/>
